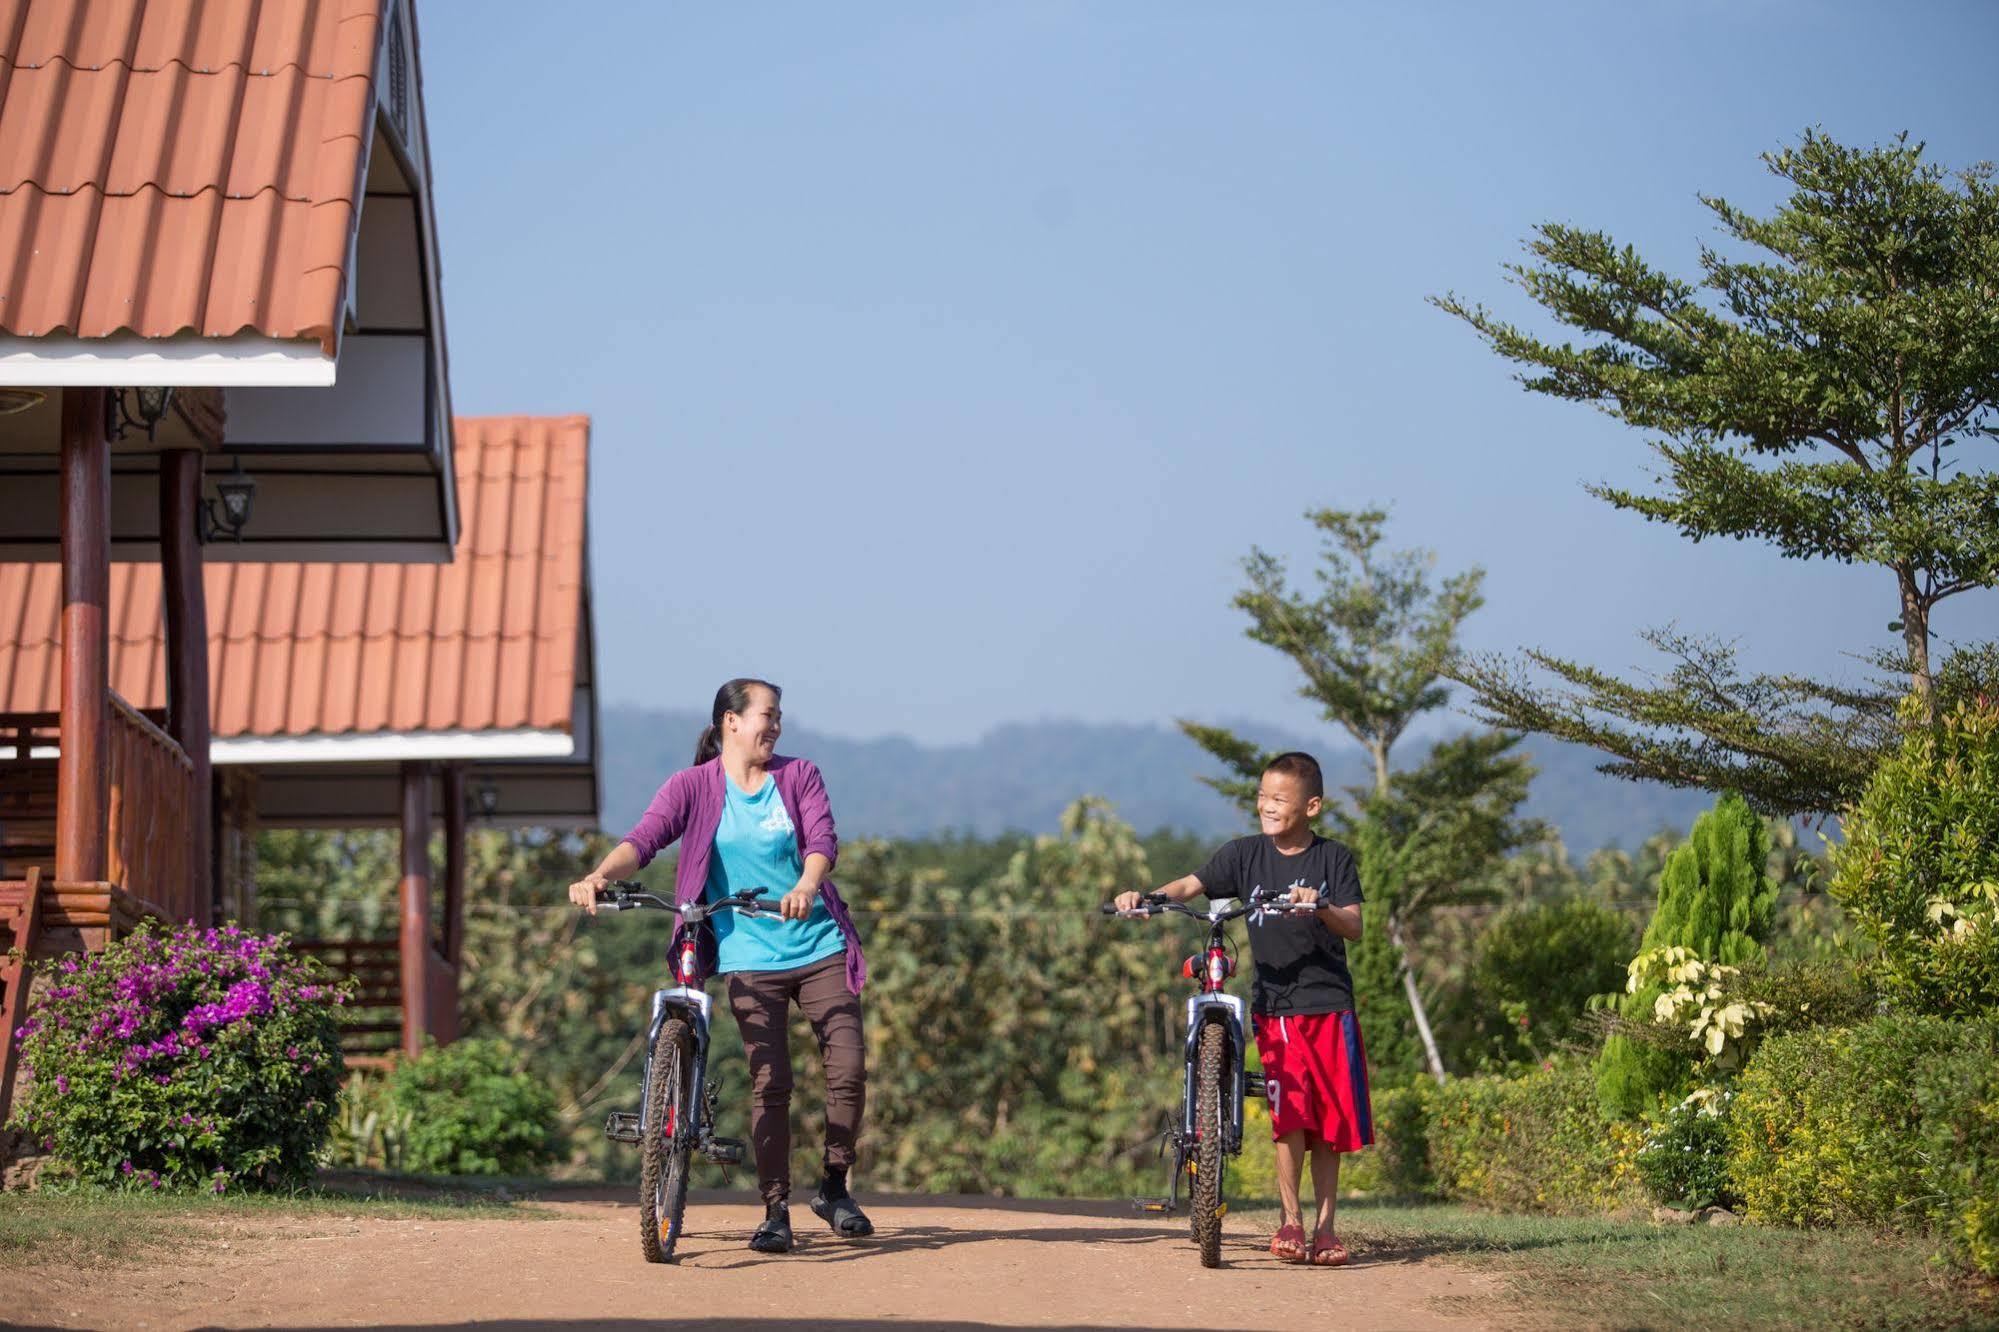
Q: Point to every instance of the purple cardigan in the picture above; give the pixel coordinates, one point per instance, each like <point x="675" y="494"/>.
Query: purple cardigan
<point x="689" y="808"/>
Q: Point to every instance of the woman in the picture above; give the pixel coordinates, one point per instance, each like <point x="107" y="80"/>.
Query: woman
<point x="748" y="818"/>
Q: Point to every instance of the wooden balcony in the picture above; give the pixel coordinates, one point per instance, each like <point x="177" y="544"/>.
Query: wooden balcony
<point x="150" y="846"/>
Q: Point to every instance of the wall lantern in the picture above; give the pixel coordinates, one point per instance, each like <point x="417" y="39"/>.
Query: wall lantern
<point x="145" y="411"/>
<point x="486" y="797"/>
<point x="229" y="512"/>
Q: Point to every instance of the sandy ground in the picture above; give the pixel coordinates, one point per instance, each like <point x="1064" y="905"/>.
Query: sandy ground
<point x="939" y="1262"/>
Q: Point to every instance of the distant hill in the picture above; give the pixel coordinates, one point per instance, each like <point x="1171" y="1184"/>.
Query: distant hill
<point x="1019" y="777"/>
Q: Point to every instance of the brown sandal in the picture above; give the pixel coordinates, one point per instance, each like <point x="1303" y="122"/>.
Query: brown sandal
<point x="1329" y="1252"/>
<point x="1289" y="1244"/>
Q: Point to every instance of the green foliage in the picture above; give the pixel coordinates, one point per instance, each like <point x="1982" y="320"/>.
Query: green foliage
<point x="1370" y="646"/>
<point x="186" y="1059"/>
<point x="1894" y="1122"/>
<point x="471" y="1109"/>
<point x="368" y="1132"/>
<point x="1402" y="1139"/>
<point x="1816" y="395"/>
<point x="1918" y="873"/>
<point x="1539" y="1143"/>
<point x="1715" y="900"/>
<point x="1684" y="1159"/>
<point x="1535" y="968"/>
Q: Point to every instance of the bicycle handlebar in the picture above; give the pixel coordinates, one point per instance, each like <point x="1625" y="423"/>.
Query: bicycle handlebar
<point x="627" y="895"/>
<point x="1155" y="904"/>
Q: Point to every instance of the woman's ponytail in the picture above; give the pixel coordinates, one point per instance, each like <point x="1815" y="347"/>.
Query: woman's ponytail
<point x="731" y="697"/>
<point x="708" y="746"/>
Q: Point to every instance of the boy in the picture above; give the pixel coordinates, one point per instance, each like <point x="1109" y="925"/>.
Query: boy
<point x="1302" y="998"/>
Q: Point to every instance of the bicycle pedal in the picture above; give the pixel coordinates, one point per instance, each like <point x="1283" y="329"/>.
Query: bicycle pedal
<point x="725" y="1151"/>
<point x="1154" y="1205"/>
<point x="622" y="1126"/>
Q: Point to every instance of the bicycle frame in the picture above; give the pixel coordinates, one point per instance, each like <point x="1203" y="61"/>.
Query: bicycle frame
<point x="690" y="1002"/>
<point x="1211" y="1003"/>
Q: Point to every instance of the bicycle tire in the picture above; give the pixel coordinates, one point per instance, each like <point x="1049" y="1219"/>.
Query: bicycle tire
<point x="1210" y="1146"/>
<point x="663" y="1160"/>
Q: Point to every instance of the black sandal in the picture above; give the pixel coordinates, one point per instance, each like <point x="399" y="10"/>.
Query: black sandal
<point x="774" y="1235"/>
<point x="843" y="1214"/>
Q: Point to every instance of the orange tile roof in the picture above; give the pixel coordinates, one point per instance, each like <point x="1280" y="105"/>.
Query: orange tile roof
<point x="487" y="642"/>
<point x="175" y="165"/>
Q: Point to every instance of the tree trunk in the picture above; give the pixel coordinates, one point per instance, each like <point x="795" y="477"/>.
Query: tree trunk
<point x="1916" y="635"/>
<point x="1416" y="1008"/>
<point x="1380" y="752"/>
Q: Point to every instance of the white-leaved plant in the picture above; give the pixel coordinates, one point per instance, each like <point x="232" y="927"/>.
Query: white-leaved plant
<point x="1722" y="1024"/>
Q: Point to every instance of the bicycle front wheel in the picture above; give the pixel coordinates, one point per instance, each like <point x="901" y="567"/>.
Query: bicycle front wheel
<point x="669" y="1141"/>
<point x="1211" y="1145"/>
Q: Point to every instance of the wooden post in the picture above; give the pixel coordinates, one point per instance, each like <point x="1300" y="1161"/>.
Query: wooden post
<point x="454" y="863"/>
<point x="415" y="934"/>
<point x="187" y="655"/>
<point x="83" y="770"/>
<point x="452" y="946"/>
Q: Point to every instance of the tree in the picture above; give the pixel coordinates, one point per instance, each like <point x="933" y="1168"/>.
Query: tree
<point x="1371" y="645"/>
<point x="1821" y="396"/>
<point x="1432" y="838"/>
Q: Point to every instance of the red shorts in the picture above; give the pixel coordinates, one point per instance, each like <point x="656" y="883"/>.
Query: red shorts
<point x="1315" y="1078"/>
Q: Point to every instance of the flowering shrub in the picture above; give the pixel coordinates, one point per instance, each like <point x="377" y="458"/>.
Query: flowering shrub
<point x="191" y="1059"/>
<point x="1684" y="1161"/>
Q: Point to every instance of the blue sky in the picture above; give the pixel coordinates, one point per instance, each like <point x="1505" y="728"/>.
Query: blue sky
<point x="946" y="359"/>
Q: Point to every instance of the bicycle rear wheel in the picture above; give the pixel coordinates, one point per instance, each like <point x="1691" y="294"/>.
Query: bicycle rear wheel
<point x="669" y="1141"/>
<point x="1210" y="1148"/>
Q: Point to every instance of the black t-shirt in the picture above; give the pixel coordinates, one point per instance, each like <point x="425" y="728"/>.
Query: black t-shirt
<point x="1301" y="965"/>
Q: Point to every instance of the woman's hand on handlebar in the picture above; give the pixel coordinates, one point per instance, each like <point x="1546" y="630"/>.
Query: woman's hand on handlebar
<point x="797" y="904"/>
<point x="584" y="891"/>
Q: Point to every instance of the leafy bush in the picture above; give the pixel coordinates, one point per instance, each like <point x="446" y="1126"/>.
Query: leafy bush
<point x="196" y="1058"/>
<point x="1684" y="1160"/>
<point x="1716" y="900"/>
<point x="471" y="1110"/>
<point x="1539" y="1143"/>
<point x="1402" y="1139"/>
<point x="1918" y="874"/>
<point x="368" y="1132"/>
<point x="1535" y="968"/>
<point x="1891" y="1122"/>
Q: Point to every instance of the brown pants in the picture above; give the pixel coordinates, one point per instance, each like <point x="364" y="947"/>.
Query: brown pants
<point x="760" y="1001"/>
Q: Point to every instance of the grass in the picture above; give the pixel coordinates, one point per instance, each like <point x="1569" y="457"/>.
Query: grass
<point x="87" y="1227"/>
<point x="1594" y="1272"/>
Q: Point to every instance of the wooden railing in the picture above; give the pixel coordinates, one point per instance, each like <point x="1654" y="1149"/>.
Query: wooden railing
<point x="371" y="1028"/>
<point x="150" y="851"/>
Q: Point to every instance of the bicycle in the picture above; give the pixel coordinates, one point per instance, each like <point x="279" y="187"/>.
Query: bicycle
<point x="1209" y="1128"/>
<point x="676" y="1115"/>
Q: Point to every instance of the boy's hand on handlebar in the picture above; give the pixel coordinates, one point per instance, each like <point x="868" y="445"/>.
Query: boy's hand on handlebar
<point x="1304" y="896"/>
<point x="797" y="904"/>
<point x="1128" y="901"/>
<point x="584" y="891"/>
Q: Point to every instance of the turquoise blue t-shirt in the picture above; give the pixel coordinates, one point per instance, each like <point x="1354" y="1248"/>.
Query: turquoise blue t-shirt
<point x="756" y="848"/>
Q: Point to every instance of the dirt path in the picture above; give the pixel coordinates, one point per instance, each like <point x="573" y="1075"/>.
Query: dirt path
<point x="951" y="1262"/>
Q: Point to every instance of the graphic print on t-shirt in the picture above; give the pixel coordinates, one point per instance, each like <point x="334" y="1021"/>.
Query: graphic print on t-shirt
<point x="1300" y="964"/>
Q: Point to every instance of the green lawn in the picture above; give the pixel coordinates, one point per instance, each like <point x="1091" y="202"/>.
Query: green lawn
<point x="86" y="1227"/>
<point x="1633" y="1274"/>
